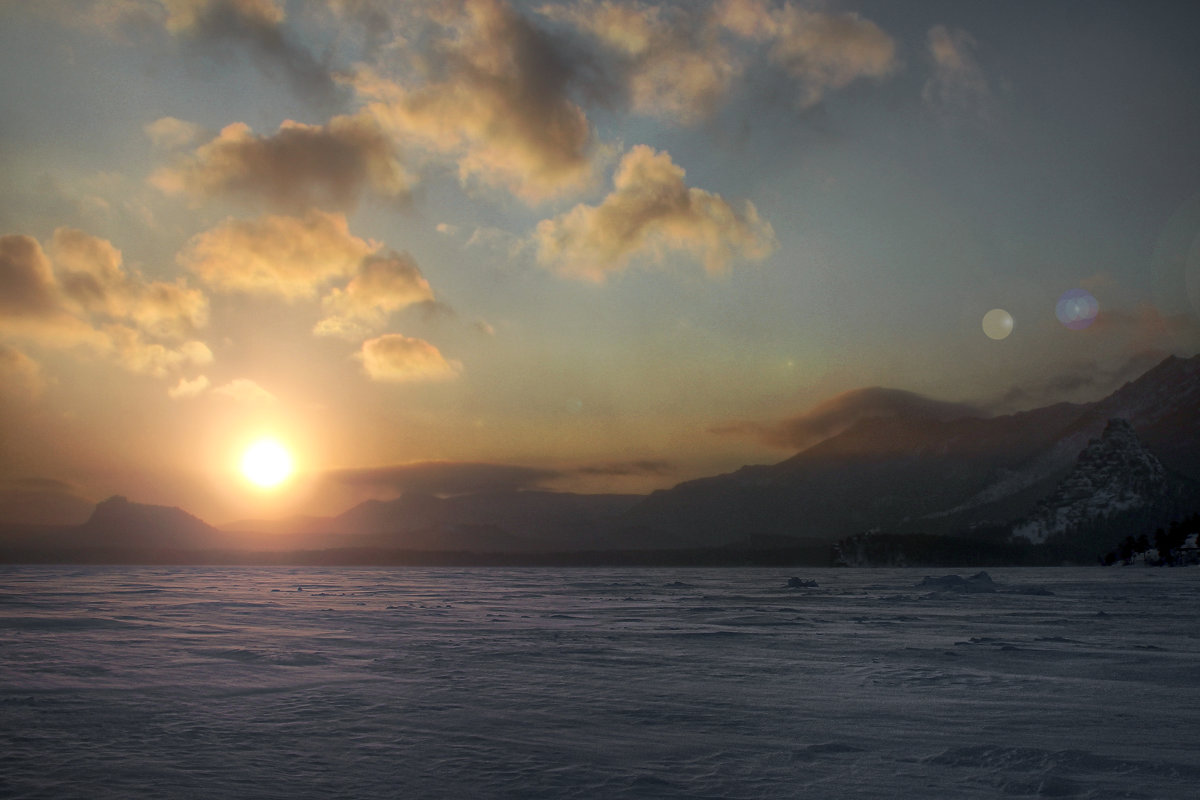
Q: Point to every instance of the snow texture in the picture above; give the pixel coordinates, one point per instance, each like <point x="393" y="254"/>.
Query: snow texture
<point x="154" y="682"/>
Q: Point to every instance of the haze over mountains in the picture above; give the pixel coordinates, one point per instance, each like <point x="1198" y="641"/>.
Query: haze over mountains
<point x="920" y="471"/>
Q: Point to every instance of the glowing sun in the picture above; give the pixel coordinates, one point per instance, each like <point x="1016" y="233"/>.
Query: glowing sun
<point x="266" y="463"/>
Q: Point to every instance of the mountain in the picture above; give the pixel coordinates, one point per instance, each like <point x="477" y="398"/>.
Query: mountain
<point x="1114" y="477"/>
<point x="1063" y="475"/>
<point x="521" y="520"/>
<point x="117" y="522"/>
<point x="907" y="474"/>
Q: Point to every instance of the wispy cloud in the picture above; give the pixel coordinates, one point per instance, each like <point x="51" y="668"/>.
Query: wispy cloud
<point x="820" y="50"/>
<point x="188" y="388"/>
<point x="958" y="82"/>
<point x="445" y="477"/>
<point x="244" y="390"/>
<point x="840" y="413"/>
<point x="670" y="62"/>
<point x="258" y="27"/>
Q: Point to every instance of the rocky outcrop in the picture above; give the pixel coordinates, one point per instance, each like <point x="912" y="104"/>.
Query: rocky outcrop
<point x="1115" y="473"/>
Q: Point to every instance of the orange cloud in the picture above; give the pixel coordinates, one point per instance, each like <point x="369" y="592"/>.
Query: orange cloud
<point x="83" y="297"/>
<point x="287" y="256"/>
<point x="20" y="375"/>
<point x="27" y="284"/>
<point x="393" y="358"/>
<point x="298" y="167"/>
<point x="649" y="212"/>
<point x="171" y="133"/>
<point x="91" y="273"/>
<point x="130" y="349"/>
<point x="184" y="15"/>
<point x="499" y="107"/>
<point x="245" y="390"/>
<point x="821" y="50"/>
<point x="186" y="388"/>
<point x="383" y="284"/>
<point x="672" y="66"/>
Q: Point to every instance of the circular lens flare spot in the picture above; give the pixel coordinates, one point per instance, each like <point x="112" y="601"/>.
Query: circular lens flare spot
<point x="1076" y="309"/>
<point x="266" y="463"/>
<point x="997" y="323"/>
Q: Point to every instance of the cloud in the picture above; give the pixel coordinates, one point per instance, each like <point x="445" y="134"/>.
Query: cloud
<point x="958" y="81"/>
<point x="393" y="358"/>
<point x="821" y="50"/>
<point x="130" y="349"/>
<point x="1082" y="381"/>
<point x="209" y="27"/>
<point x="840" y="413"/>
<point x="288" y="256"/>
<point x="245" y="390"/>
<point x="498" y="241"/>
<point x="20" y="375"/>
<point x="669" y="59"/>
<point x="258" y="26"/>
<point x="649" y="212"/>
<point x="84" y="297"/>
<point x="497" y="103"/>
<point x="383" y="284"/>
<point x="298" y="167"/>
<point x="374" y="16"/>
<point x="445" y="477"/>
<point x="27" y="284"/>
<point x="186" y="388"/>
<point x="627" y="468"/>
<point x="91" y="274"/>
<point x="170" y="133"/>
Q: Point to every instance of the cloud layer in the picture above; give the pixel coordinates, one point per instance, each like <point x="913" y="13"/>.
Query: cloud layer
<point x="445" y="477"/>
<point x="840" y="413"/>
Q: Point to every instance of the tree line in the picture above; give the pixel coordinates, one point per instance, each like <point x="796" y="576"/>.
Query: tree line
<point x="1168" y="546"/>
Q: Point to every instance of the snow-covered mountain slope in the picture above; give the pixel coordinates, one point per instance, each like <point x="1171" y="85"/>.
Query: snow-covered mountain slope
<point x="1115" y="473"/>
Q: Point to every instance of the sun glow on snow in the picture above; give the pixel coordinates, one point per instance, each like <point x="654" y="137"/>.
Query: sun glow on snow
<point x="266" y="463"/>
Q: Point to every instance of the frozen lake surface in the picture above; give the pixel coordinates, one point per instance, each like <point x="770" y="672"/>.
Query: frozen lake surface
<point x="594" y="683"/>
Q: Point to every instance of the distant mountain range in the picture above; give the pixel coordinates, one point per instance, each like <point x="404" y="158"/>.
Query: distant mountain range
<point x="918" y="474"/>
<point x="1066" y="469"/>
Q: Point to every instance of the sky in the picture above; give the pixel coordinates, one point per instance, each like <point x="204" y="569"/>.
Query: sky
<point x="580" y="246"/>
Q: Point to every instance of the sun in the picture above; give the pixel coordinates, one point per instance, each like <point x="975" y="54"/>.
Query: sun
<point x="266" y="463"/>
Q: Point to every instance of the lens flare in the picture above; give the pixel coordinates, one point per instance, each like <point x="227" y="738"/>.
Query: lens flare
<point x="997" y="323"/>
<point x="1077" y="309"/>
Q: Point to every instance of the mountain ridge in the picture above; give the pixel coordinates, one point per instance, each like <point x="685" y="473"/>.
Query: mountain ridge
<point x="923" y="474"/>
